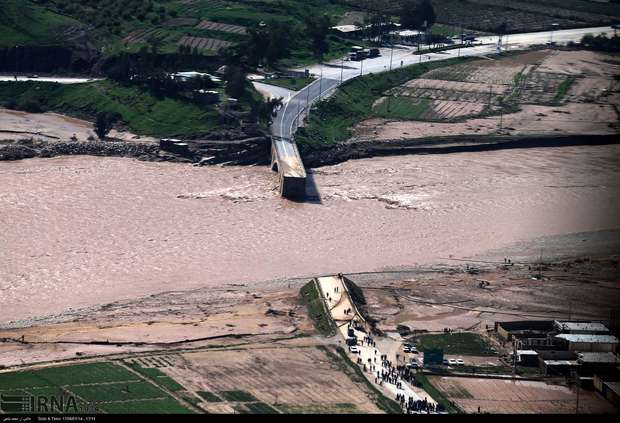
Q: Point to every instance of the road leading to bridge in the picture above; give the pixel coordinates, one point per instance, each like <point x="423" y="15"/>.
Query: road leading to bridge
<point x="337" y="71"/>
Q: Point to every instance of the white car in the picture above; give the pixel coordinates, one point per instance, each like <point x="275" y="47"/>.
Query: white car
<point x="452" y="362"/>
<point x="460" y="362"/>
<point x="354" y="349"/>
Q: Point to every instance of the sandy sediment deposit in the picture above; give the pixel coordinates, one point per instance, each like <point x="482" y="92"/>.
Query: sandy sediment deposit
<point x="49" y="126"/>
<point x="83" y="231"/>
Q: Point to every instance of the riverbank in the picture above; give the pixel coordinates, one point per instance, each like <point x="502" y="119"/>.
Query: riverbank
<point x="138" y="228"/>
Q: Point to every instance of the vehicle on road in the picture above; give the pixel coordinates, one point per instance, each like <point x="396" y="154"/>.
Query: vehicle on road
<point x="374" y="52"/>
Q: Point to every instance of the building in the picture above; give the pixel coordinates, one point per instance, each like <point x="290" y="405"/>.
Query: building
<point x="528" y="334"/>
<point x="611" y="391"/>
<point x="588" y="343"/>
<point x="523" y="328"/>
<point x="592" y="328"/>
<point x="527" y="358"/>
<point x="591" y="363"/>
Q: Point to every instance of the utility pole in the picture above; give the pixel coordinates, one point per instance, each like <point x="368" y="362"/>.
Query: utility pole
<point x="341" y="69"/>
<point x="362" y="67"/>
<point x="391" y="55"/>
<point x="576" y="374"/>
<point x="514" y="357"/>
<point x="321" y="82"/>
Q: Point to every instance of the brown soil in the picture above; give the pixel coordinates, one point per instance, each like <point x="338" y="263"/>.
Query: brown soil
<point x="506" y="396"/>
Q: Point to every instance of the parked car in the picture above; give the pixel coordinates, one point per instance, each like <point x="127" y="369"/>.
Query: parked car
<point x="452" y="362"/>
<point x="445" y="362"/>
<point x="354" y="349"/>
<point x="407" y="349"/>
<point x="414" y="350"/>
<point x="412" y="365"/>
<point x="460" y="362"/>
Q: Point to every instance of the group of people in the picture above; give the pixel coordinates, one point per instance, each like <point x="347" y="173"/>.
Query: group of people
<point x="411" y="406"/>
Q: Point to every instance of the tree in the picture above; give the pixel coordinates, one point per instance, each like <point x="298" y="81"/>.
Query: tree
<point x="417" y="14"/>
<point x="235" y="81"/>
<point x="270" y="43"/>
<point x="317" y="28"/>
<point x="104" y="123"/>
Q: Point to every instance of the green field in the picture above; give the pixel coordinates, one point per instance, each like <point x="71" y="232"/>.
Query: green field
<point x="144" y="113"/>
<point x="107" y="387"/>
<point x="240" y="396"/>
<point x="462" y="343"/>
<point x="25" y="23"/>
<point x="209" y="396"/>
<point x="405" y="108"/>
<point x="158" y="377"/>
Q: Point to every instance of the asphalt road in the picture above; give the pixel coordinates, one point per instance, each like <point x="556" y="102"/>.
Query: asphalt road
<point x="335" y="71"/>
<point x="283" y="123"/>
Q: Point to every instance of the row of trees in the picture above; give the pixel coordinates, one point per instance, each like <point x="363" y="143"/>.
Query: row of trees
<point x="413" y="14"/>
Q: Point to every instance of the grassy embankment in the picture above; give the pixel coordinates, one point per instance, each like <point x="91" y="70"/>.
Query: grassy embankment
<point x="143" y="112"/>
<point x="332" y="119"/>
<point x="436" y="394"/>
<point x="317" y="311"/>
<point x="354" y="372"/>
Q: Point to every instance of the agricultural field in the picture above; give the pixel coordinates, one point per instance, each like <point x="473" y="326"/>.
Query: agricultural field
<point x="507" y="396"/>
<point x="524" y="15"/>
<point x="536" y="92"/>
<point x="259" y="379"/>
<point x="294" y="377"/>
<point x="128" y="26"/>
<point x="98" y="387"/>
<point x="477" y="88"/>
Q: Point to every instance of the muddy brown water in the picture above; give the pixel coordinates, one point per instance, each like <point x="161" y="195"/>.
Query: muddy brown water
<point x="81" y="231"/>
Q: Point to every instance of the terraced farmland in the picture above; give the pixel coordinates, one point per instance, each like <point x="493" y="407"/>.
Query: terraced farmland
<point x="477" y="88"/>
<point x="523" y="16"/>
<point x="201" y="43"/>
<point x="216" y="26"/>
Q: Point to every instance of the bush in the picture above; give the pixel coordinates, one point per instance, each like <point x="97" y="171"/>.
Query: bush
<point x="30" y="105"/>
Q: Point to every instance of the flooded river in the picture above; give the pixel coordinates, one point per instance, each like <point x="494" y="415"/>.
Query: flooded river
<point x="82" y="231"/>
